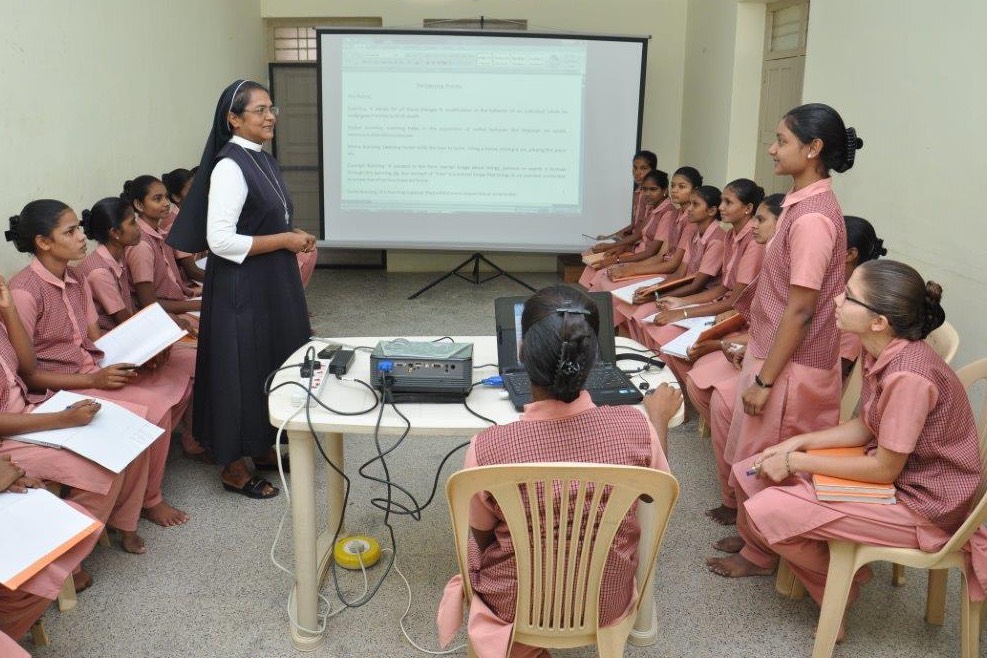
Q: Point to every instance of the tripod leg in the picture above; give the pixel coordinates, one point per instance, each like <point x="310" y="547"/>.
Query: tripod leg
<point x="501" y="270"/>
<point x="454" y="271"/>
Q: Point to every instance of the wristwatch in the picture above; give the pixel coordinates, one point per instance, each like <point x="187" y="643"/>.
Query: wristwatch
<point x="760" y="382"/>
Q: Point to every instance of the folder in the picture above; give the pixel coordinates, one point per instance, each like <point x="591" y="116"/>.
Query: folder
<point x="38" y="528"/>
<point x="834" y="489"/>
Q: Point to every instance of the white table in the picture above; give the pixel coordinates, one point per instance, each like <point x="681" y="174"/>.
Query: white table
<point x="312" y="549"/>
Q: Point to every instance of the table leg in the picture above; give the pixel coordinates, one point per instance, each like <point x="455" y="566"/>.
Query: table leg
<point x="301" y="449"/>
<point x="645" y="631"/>
<point x="332" y="443"/>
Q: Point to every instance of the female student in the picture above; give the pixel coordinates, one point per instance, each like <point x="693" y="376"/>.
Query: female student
<point x="741" y="262"/>
<point x="915" y="422"/>
<point x="675" y="236"/>
<point x="56" y="307"/>
<point x="684" y="181"/>
<point x="659" y="212"/>
<point x="178" y="182"/>
<point x="625" y="238"/>
<point x="21" y="608"/>
<point x="151" y="262"/>
<point x="706" y="248"/>
<point x="113" y="498"/>
<point x="558" y="334"/>
<point x="113" y="225"/>
<point x="790" y="382"/>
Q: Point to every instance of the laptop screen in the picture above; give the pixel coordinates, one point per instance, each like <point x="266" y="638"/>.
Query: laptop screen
<point x="508" y="312"/>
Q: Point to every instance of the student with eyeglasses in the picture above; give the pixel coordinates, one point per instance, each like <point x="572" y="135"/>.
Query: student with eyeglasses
<point x="918" y="429"/>
<point x="253" y="304"/>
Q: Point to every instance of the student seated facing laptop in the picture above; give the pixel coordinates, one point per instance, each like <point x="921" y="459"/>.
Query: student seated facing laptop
<point x="559" y="344"/>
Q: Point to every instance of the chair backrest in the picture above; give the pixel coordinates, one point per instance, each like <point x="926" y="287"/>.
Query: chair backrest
<point x="969" y="375"/>
<point x="945" y="341"/>
<point x="560" y="550"/>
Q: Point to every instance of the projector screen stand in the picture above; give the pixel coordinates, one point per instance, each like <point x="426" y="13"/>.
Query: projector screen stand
<point x="474" y="277"/>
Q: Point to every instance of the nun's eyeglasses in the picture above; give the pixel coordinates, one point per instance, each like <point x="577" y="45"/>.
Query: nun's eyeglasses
<point x="264" y="109"/>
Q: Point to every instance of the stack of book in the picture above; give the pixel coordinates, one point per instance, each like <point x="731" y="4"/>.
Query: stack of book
<point x="832" y="489"/>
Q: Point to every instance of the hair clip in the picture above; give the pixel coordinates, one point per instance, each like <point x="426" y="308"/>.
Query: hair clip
<point x="569" y="368"/>
<point x="566" y="309"/>
<point x="10" y="235"/>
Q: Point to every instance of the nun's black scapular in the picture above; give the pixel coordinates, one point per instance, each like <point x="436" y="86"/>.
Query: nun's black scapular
<point x="254" y="313"/>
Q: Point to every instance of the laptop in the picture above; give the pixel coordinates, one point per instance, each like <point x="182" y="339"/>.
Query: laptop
<point x="606" y="383"/>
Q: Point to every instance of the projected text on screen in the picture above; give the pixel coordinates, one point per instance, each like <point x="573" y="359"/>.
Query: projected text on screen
<point x="461" y="127"/>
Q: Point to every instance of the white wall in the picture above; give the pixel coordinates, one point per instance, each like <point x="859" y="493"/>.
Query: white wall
<point x="909" y="76"/>
<point x="98" y="92"/>
<point x="722" y="90"/>
<point x="664" y="20"/>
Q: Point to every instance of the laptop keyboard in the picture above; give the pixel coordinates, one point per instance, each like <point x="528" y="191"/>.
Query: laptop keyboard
<point x="601" y="377"/>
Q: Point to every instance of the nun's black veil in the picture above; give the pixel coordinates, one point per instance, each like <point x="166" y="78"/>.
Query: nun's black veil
<point x="188" y="233"/>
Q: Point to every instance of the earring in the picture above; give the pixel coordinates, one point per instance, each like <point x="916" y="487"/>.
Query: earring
<point x="812" y="155"/>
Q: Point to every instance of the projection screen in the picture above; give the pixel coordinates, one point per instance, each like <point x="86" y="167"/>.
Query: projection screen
<point x="477" y="141"/>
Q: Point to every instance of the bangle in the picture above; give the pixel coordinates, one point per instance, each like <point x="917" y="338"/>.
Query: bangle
<point x="760" y="382"/>
<point x="616" y="258"/>
<point x="685" y="312"/>
<point x="721" y="343"/>
<point x="788" y="464"/>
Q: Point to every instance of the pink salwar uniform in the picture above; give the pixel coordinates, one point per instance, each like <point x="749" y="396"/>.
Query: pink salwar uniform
<point x="742" y="258"/>
<point x="57" y="313"/>
<point x="111" y="285"/>
<point x="808" y="250"/>
<point x="109" y="281"/>
<point x="164" y="226"/>
<point x="113" y="498"/>
<point x="10" y="649"/>
<point x="19" y="609"/>
<point x="306" y="265"/>
<point x="706" y="256"/>
<point x="640" y="218"/>
<point x="912" y="404"/>
<point x="678" y="232"/>
<point x="548" y="430"/>
<point x="152" y="260"/>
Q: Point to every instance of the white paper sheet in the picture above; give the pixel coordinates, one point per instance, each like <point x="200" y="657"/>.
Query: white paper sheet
<point x="113" y="439"/>
<point x="140" y="338"/>
<point x="626" y="293"/>
<point x="37" y="527"/>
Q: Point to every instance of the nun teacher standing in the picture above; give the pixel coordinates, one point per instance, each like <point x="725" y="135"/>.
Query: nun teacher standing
<point x="253" y="305"/>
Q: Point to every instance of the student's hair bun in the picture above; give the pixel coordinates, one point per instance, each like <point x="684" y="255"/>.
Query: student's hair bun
<point x="128" y="190"/>
<point x="853" y="144"/>
<point x="935" y="315"/>
<point x="11" y="234"/>
<point x="879" y="249"/>
<point x="86" y="222"/>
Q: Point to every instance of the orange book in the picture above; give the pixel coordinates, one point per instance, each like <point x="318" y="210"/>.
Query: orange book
<point x="829" y="488"/>
<point x="723" y="328"/>
<point x="668" y="284"/>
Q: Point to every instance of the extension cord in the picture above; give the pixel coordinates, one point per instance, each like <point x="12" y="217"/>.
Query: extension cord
<point x="299" y="396"/>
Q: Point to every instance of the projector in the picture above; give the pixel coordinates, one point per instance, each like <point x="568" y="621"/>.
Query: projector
<point x="423" y="371"/>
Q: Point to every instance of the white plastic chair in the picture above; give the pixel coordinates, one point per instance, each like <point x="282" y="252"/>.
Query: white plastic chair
<point x="569" y="554"/>
<point x="845" y="558"/>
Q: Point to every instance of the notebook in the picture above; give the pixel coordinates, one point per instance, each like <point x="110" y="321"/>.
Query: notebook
<point x="113" y="439"/>
<point x="140" y="338"/>
<point x="836" y="489"/>
<point x="606" y="384"/>
<point x="38" y="527"/>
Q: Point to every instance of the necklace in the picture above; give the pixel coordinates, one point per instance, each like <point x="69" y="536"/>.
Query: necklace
<point x="272" y="180"/>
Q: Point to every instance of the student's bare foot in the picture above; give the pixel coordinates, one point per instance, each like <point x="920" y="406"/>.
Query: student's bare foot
<point x="131" y="542"/>
<point x="164" y="515"/>
<point x="736" y="566"/>
<point x="82" y="580"/>
<point x="731" y="544"/>
<point x="723" y="515"/>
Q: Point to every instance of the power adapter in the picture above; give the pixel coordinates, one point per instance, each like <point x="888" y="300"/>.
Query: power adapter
<point x="341" y="362"/>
